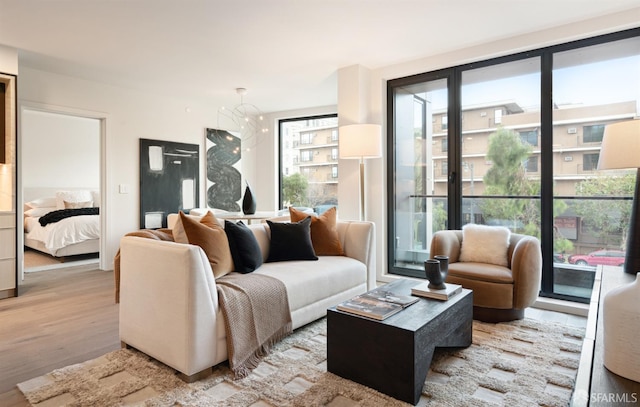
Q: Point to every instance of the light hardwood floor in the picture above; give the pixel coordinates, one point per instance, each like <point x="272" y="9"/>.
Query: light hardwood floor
<point x="67" y="316"/>
<point x="61" y="317"/>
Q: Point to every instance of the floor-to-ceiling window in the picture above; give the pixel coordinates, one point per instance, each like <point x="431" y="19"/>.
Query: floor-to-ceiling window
<point x="514" y="141"/>
<point x="309" y="162"/>
<point x="593" y="86"/>
<point x="420" y="157"/>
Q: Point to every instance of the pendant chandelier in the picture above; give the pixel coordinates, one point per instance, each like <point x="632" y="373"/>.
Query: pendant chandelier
<point x="246" y="117"/>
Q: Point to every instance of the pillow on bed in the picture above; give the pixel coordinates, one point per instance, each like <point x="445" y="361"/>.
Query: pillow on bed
<point x="81" y="195"/>
<point x="37" y="212"/>
<point x="78" y="205"/>
<point x="95" y="197"/>
<point x="42" y="203"/>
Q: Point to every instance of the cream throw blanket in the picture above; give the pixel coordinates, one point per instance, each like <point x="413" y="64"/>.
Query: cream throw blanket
<point x="256" y="315"/>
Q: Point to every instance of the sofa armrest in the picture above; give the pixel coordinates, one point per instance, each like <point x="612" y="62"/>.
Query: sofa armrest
<point x="168" y="303"/>
<point x="359" y="242"/>
<point x="446" y="243"/>
<point x="526" y="267"/>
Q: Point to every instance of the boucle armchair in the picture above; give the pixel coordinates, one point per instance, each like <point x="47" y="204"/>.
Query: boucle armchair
<point x="500" y="293"/>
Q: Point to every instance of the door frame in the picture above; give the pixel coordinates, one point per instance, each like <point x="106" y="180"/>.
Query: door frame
<point x="63" y="110"/>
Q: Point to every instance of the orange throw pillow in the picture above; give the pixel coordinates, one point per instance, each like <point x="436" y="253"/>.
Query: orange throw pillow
<point x="208" y="234"/>
<point x="324" y="232"/>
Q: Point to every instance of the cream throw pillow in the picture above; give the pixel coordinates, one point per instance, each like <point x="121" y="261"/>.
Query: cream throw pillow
<point x="72" y="197"/>
<point x="485" y="244"/>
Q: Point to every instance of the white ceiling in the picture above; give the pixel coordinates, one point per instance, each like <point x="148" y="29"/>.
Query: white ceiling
<point x="286" y="52"/>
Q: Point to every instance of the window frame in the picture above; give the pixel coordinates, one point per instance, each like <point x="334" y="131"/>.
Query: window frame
<point x="281" y="123"/>
<point x="455" y="118"/>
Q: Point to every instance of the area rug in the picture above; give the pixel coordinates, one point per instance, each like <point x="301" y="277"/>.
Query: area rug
<point x="520" y="363"/>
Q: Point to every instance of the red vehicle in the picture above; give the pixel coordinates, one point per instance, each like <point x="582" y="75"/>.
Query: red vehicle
<point x="604" y="257"/>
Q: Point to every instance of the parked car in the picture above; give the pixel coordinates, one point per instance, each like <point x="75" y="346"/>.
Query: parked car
<point x="604" y="257"/>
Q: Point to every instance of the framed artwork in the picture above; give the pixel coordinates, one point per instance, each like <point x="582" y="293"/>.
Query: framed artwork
<point x="169" y="180"/>
<point x="224" y="181"/>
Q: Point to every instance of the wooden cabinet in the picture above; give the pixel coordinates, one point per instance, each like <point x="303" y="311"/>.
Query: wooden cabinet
<point x="7" y="255"/>
<point x="8" y="236"/>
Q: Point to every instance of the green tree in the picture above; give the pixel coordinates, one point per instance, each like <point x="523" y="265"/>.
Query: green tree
<point x="294" y="190"/>
<point x="507" y="177"/>
<point x="607" y="219"/>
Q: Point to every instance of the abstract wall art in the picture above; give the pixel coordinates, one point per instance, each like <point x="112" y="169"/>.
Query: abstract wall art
<point x="169" y="179"/>
<point x="224" y="181"/>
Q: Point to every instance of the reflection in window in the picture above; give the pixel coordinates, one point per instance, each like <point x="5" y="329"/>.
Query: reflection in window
<point x="529" y="137"/>
<point x="308" y="156"/>
<point x="590" y="161"/>
<point x="593" y="134"/>
<point x="531" y="164"/>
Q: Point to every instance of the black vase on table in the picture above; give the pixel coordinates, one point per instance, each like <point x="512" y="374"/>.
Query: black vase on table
<point x="248" y="202"/>
<point x="434" y="274"/>
<point x="444" y="264"/>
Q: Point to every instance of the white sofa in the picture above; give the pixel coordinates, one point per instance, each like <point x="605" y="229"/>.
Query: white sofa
<point x="169" y="302"/>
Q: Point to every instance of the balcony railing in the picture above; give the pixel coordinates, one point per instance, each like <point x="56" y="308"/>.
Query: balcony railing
<point x="575" y="231"/>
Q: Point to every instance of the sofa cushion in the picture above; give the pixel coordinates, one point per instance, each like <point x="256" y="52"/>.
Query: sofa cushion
<point x="291" y="241"/>
<point x="208" y="234"/>
<point x="324" y="234"/>
<point x="244" y="247"/>
<point x="310" y="282"/>
<point x="485" y="244"/>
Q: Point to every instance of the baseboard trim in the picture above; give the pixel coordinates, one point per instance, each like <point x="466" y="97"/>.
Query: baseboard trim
<point x="567" y="307"/>
<point x="9" y="293"/>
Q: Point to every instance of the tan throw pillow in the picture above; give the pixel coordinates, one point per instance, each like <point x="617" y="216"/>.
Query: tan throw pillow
<point x="485" y="244"/>
<point x="324" y="232"/>
<point x="208" y="234"/>
<point x="78" y="205"/>
<point x="179" y="235"/>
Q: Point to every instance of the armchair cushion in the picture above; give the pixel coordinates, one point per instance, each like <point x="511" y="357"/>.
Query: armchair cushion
<point x="485" y="244"/>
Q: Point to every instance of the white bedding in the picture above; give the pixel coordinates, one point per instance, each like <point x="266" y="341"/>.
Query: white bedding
<point x="67" y="231"/>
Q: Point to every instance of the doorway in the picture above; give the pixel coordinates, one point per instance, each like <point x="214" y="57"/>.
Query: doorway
<point x="60" y="168"/>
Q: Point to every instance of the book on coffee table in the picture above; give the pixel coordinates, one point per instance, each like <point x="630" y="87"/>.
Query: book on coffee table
<point x="423" y="290"/>
<point x="381" y="294"/>
<point x="369" y="307"/>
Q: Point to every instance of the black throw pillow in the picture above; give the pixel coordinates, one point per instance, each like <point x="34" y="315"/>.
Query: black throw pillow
<point x="245" y="250"/>
<point x="291" y="241"/>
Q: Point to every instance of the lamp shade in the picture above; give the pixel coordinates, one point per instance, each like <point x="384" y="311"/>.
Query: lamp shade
<point x="360" y="141"/>
<point x="620" y="146"/>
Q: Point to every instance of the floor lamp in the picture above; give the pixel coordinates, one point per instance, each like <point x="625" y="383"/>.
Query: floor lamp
<point x="360" y="141"/>
<point x="620" y="150"/>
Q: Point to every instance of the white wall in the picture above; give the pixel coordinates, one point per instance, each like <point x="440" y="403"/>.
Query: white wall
<point x="59" y="150"/>
<point x="130" y="115"/>
<point x="8" y="60"/>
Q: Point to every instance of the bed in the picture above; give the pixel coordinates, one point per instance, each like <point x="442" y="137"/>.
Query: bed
<point x="74" y="227"/>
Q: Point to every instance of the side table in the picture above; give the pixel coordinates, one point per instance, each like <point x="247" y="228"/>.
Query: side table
<point x="595" y="384"/>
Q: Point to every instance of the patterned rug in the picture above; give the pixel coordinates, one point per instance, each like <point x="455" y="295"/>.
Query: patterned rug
<point x="520" y="363"/>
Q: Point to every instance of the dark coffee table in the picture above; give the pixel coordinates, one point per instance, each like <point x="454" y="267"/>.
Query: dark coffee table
<point x="393" y="356"/>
